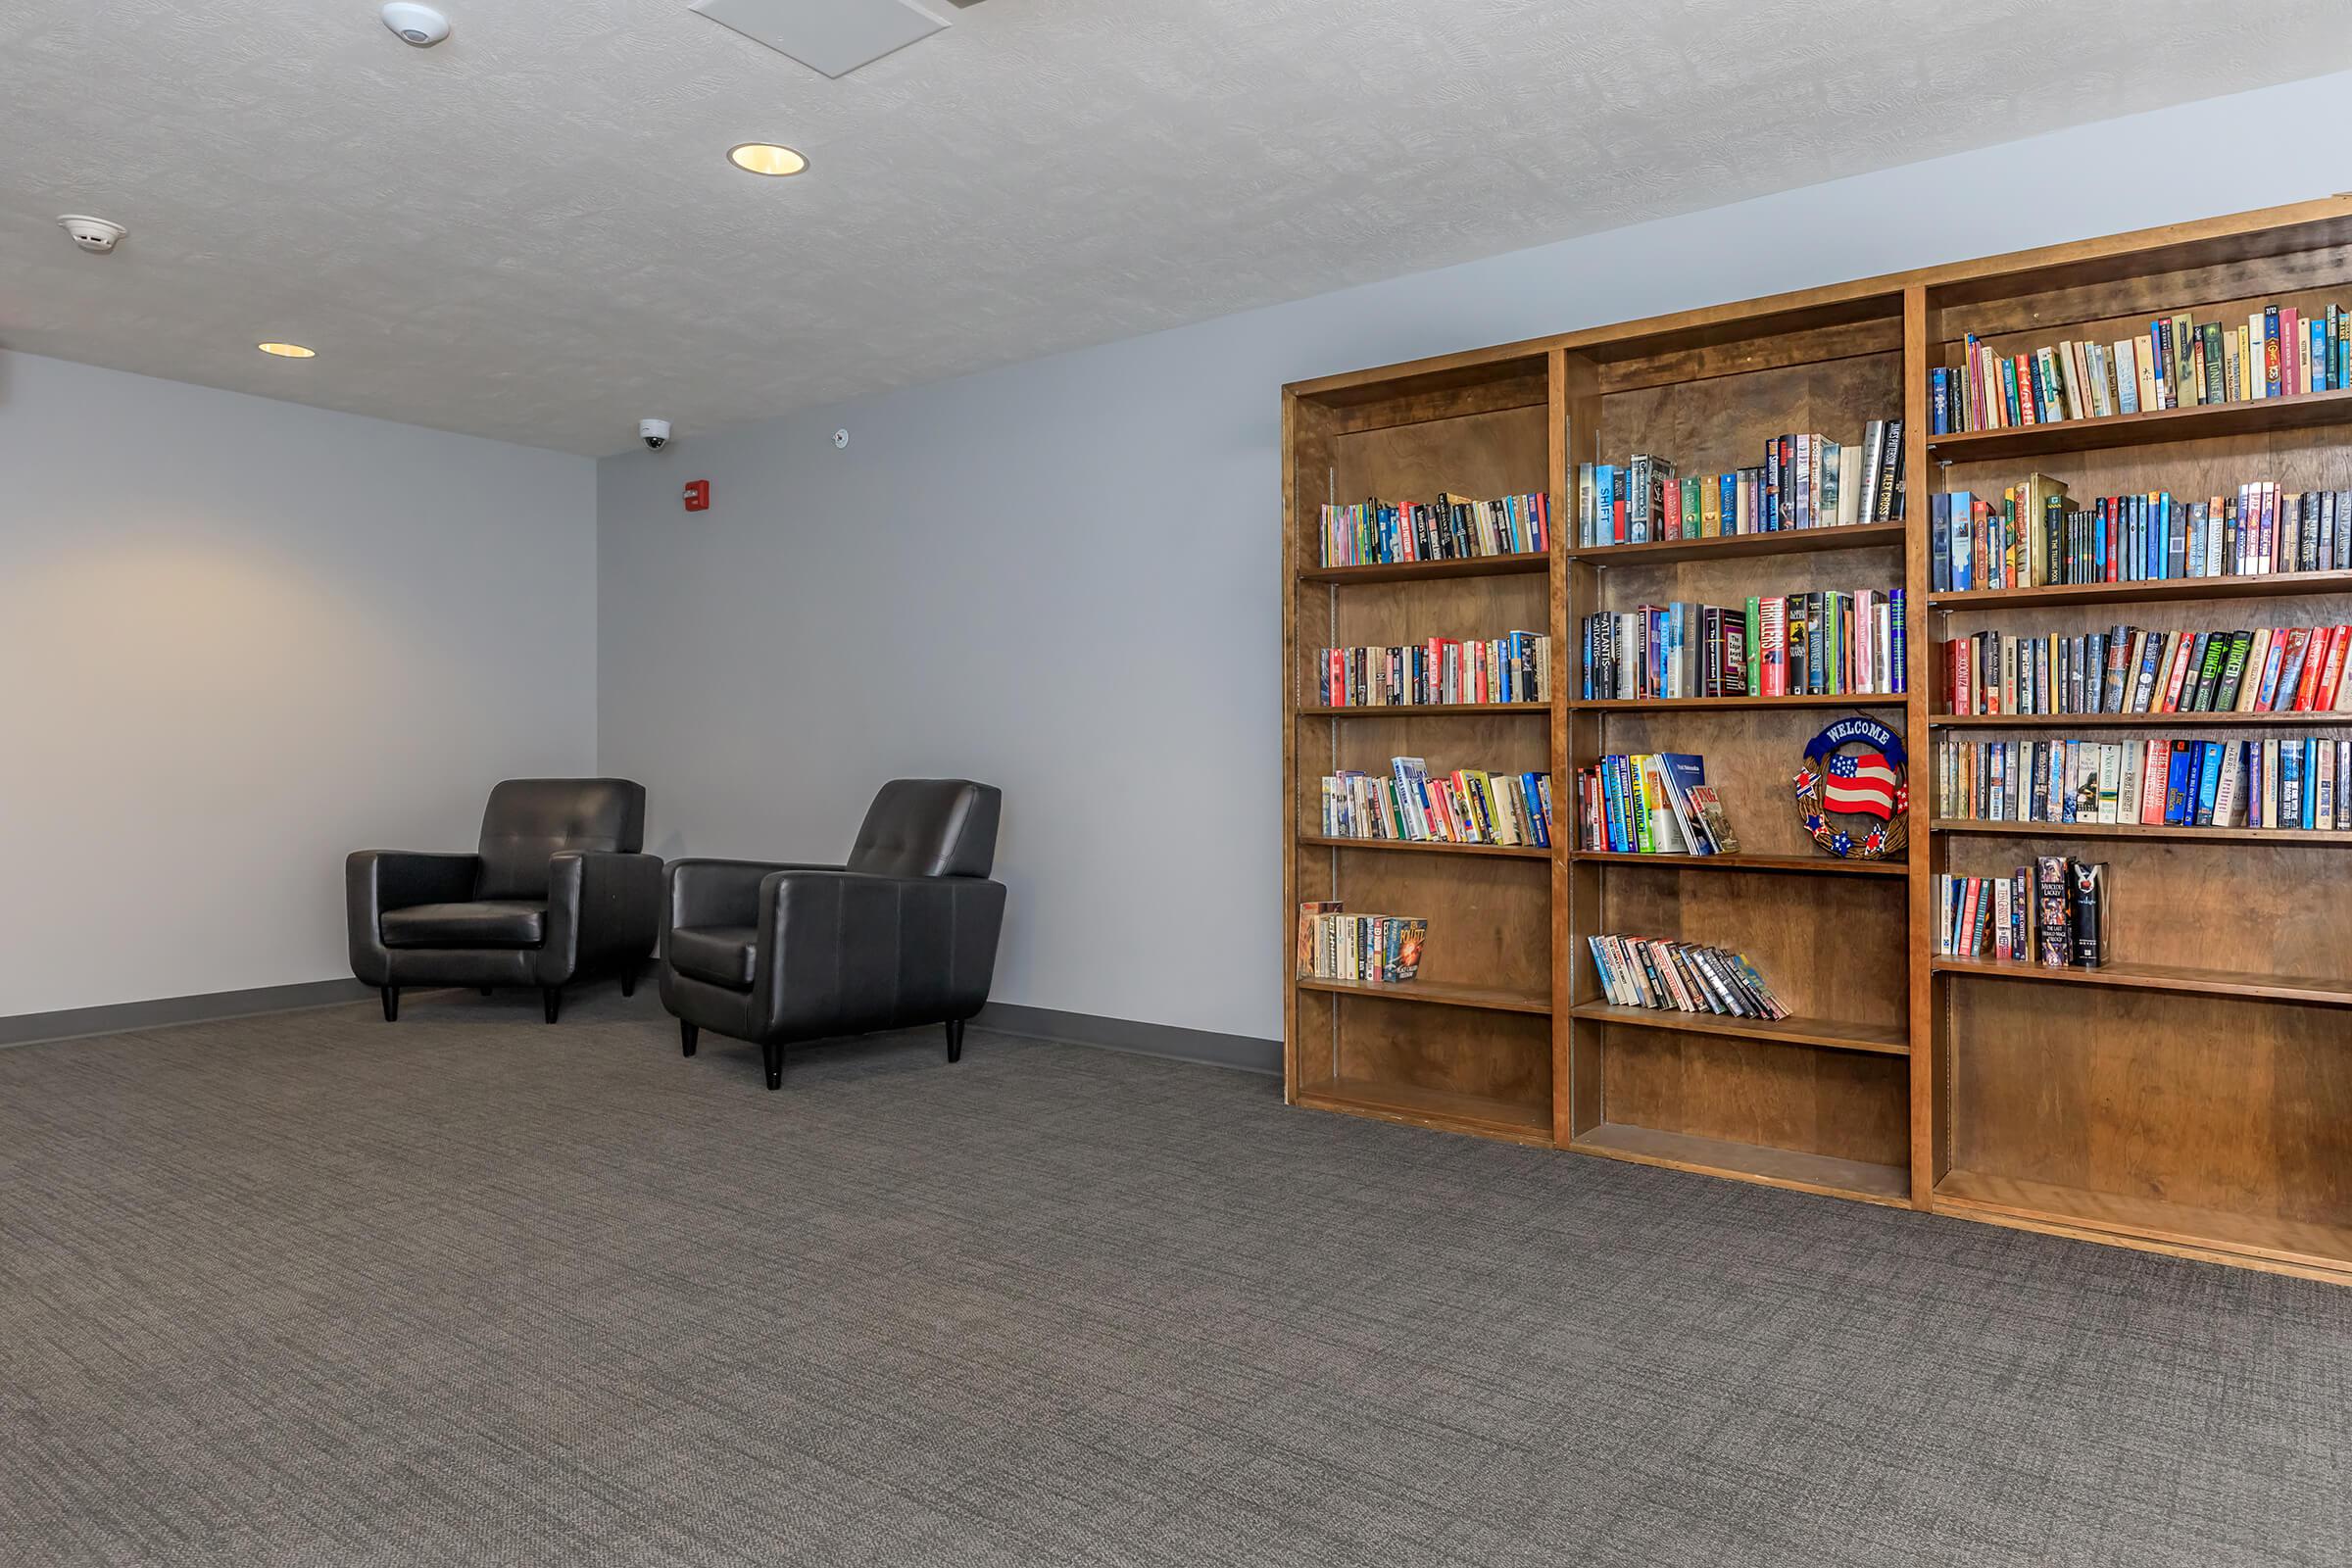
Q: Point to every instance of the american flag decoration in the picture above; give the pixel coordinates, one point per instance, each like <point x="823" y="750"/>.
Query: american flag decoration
<point x="1863" y="783"/>
<point x="1867" y="782"/>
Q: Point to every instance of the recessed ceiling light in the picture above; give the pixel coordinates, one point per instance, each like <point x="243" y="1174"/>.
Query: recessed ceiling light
<point x="766" y="157"/>
<point x="288" y="351"/>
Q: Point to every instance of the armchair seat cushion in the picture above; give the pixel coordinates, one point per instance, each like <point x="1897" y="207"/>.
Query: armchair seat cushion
<point x="480" y="924"/>
<point x="724" y="955"/>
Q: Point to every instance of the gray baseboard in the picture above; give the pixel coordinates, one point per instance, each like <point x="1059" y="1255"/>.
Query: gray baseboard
<point x="1244" y="1052"/>
<point x="68" y="1023"/>
<point x="1247" y="1052"/>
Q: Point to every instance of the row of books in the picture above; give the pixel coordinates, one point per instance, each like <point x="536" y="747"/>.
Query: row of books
<point x="1651" y="803"/>
<point x="2033" y="535"/>
<point x="1807" y="481"/>
<point x="1379" y="949"/>
<point x="1827" y="643"/>
<point x="1515" y="668"/>
<point x="1680" y="977"/>
<point x="2292" y="781"/>
<point x="2178" y="363"/>
<point x="2126" y="669"/>
<point x="1469" y="805"/>
<point x="2052" y="913"/>
<point x="1450" y="529"/>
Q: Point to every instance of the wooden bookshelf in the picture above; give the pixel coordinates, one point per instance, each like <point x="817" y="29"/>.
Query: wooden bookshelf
<point x="2192" y="1097"/>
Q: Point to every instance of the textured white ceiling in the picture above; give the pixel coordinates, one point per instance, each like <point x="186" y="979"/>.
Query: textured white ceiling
<point x="529" y="233"/>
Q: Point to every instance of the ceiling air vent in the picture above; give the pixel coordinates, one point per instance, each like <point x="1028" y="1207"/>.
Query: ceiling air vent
<point x="831" y="36"/>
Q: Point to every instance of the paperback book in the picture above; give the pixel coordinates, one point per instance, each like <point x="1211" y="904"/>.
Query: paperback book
<point x="1451" y="527"/>
<point x="1515" y="668"/>
<point x="1807" y="481"/>
<point x="1831" y="642"/>
<point x="1680" y="977"/>
<point x="1374" y="949"/>
<point x="1651" y="803"/>
<point x="2132" y="669"/>
<point x="1468" y="806"/>
<point x="2053" y="913"/>
<point x="2289" y="783"/>
<point x="2035" y="534"/>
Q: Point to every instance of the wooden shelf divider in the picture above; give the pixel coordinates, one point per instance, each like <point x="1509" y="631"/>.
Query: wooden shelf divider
<point x="2164" y="977"/>
<point x="2241" y="1111"/>
<point x="2304" y="411"/>
<point x="1742" y="546"/>
<point x="1964" y="826"/>
<point x="1879" y="1040"/>
<point x="2152" y="591"/>
<point x="1430" y="571"/>
<point x="1794" y="865"/>
<point x="1507" y="852"/>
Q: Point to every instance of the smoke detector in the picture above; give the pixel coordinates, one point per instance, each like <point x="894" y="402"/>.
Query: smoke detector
<point x="97" y="236"/>
<point x="421" y="25"/>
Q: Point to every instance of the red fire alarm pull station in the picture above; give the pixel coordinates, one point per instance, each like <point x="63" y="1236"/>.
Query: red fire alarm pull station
<point x="697" y="495"/>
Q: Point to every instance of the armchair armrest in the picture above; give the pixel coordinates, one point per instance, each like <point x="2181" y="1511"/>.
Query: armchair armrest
<point x="847" y="952"/>
<point x="710" y="892"/>
<point x="376" y="880"/>
<point x="604" y="907"/>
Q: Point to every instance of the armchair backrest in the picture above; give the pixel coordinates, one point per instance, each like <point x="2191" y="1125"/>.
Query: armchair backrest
<point x="929" y="827"/>
<point x="529" y="820"/>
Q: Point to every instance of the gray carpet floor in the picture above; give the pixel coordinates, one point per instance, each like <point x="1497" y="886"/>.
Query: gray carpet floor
<point x="468" y="1290"/>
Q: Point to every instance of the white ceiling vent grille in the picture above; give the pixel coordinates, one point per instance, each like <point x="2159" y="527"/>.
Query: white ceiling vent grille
<point x="831" y="36"/>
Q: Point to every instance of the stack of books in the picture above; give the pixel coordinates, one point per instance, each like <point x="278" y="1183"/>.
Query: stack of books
<point x="1515" y="668"/>
<point x="2052" y="913"/>
<point x="2178" y="363"/>
<point x="1807" y="481"/>
<point x="1680" y="977"/>
<point x="1379" y="949"/>
<point x="1469" y="805"/>
<point x="2292" y="782"/>
<point x="2034" y="536"/>
<point x="1450" y="529"/>
<point x="1827" y="643"/>
<point x="1651" y="803"/>
<point x="2127" y="669"/>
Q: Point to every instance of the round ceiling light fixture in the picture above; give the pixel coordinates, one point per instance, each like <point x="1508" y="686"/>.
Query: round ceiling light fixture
<point x="288" y="351"/>
<point x="766" y="158"/>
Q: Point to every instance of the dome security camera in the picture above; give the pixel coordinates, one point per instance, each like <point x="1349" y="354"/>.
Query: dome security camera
<point x="655" y="431"/>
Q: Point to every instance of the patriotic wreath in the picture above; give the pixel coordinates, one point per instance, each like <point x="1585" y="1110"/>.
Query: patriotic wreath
<point x="1870" y="782"/>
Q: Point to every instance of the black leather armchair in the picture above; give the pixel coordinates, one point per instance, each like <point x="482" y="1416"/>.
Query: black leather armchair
<point x="558" y="892"/>
<point x="905" y="934"/>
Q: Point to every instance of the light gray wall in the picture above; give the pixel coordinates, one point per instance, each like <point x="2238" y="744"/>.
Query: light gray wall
<point x="1060" y="576"/>
<point x="240" y="638"/>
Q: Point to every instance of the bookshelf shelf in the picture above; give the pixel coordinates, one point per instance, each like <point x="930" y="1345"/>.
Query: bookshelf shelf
<point x="2143" y="830"/>
<point x="1489" y="1115"/>
<point x="1796" y="865"/>
<point x="1730" y="704"/>
<point x="2164" y="977"/>
<point x="1863" y="1180"/>
<point x="2165" y="590"/>
<point x="2166" y="721"/>
<point x="1507" y="852"/>
<point x="1884" y="1040"/>
<point x="2304" y="411"/>
<point x="1429" y="570"/>
<point x="1426" y="710"/>
<point x="2298" y="1246"/>
<point x="1742" y="546"/>
<point x="1435" y="993"/>
<point x="1969" y="1097"/>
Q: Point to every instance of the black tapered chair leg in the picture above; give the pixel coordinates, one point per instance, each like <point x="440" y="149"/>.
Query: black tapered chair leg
<point x="391" y="1003"/>
<point x="553" y="996"/>
<point x="686" y="1036"/>
<point x="955" y="1040"/>
<point x="628" y="978"/>
<point x="772" y="1054"/>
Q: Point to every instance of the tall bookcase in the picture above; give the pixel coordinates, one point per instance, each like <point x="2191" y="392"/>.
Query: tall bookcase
<point x="2194" y="1095"/>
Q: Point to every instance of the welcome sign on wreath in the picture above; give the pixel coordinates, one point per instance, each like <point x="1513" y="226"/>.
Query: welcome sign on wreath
<point x="1867" y="783"/>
